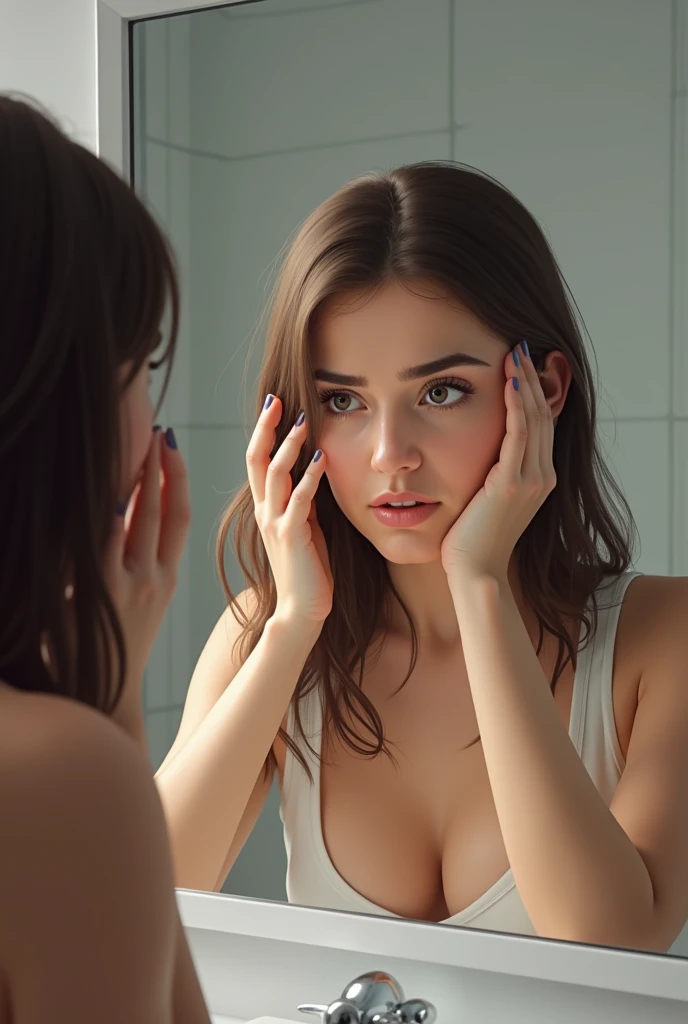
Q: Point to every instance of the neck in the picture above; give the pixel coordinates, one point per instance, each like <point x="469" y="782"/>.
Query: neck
<point x="424" y="590"/>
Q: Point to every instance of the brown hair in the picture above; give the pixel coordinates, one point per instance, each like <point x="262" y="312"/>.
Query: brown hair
<point x="85" y="281"/>
<point x="461" y="230"/>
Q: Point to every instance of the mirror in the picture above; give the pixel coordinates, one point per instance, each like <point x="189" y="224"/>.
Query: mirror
<point x="246" y="117"/>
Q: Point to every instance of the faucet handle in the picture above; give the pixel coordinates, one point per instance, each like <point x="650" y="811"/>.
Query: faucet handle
<point x="341" y="1011"/>
<point x="415" y="1011"/>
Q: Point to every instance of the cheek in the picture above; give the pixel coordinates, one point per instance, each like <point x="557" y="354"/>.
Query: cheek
<point x="474" y="449"/>
<point x="345" y="472"/>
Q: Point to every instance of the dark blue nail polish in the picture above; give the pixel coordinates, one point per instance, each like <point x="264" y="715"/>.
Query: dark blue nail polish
<point x="526" y="350"/>
<point x="268" y="402"/>
<point x="121" y="508"/>
<point x="299" y="419"/>
<point x="517" y="361"/>
<point x="514" y="381"/>
<point x="171" y="439"/>
<point x="316" y="457"/>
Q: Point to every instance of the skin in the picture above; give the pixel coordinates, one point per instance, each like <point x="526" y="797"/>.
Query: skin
<point x="87" y="841"/>
<point x="462" y="813"/>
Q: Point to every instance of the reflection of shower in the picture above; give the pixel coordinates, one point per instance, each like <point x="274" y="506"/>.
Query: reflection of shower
<point x="374" y="998"/>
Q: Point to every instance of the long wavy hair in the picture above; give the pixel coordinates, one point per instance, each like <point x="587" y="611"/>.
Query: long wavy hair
<point x="86" y="281"/>
<point x="463" y="231"/>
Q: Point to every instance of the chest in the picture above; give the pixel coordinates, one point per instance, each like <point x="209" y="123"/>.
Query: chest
<point x="432" y="843"/>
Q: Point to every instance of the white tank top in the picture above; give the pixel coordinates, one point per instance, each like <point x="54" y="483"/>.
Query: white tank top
<point x="312" y="879"/>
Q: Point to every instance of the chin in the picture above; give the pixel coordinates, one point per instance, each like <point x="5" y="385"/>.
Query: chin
<point x="404" y="547"/>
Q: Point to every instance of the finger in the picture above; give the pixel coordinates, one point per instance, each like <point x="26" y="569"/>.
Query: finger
<point x="516" y="437"/>
<point x="531" y="457"/>
<point x="546" y="424"/>
<point x="301" y="506"/>
<point x="259" y="447"/>
<point x="278" y="483"/>
<point x="144" y="529"/>
<point x="176" y="503"/>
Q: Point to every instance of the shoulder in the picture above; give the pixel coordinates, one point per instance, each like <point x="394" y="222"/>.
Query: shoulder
<point x="654" y="624"/>
<point x="83" y="853"/>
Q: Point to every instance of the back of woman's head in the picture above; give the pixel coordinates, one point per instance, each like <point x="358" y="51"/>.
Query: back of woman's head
<point x="85" y="281"/>
<point x="464" y="233"/>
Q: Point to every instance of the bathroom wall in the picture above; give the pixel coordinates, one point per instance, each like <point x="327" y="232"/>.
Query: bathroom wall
<point x="251" y="116"/>
<point x="48" y="50"/>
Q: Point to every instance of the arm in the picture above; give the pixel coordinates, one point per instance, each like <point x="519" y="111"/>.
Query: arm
<point x="212" y="784"/>
<point x="585" y="872"/>
<point x="86" y="880"/>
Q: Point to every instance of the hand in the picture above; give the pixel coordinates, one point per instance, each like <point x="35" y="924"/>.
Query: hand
<point x="143" y="554"/>
<point x="483" y="538"/>
<point x="287" y="520"/>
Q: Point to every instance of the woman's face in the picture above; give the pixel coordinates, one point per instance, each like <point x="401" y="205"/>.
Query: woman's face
<point x="393" y="423"/>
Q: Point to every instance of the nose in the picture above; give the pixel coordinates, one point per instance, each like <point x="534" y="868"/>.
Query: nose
<point x="394" y="450"/>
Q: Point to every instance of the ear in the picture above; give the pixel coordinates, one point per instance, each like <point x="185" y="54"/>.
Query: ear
<point x="555" y="379"/>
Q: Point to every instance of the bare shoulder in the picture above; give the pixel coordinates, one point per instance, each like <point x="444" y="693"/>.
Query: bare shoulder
<point x="653" y="628"/>
<point x="85" y="875"/>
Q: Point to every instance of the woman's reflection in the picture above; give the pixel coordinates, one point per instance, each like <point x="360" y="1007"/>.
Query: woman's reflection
<point x="476" y="710"/>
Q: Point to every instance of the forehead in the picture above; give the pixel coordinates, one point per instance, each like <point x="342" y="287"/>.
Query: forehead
<point x="398" y="325"/>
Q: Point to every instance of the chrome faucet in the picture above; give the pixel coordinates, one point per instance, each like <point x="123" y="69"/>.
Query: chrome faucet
<point x="374" y="998"/>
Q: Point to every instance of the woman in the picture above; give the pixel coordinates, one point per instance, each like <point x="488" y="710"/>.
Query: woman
<point x="89" y="929"/>
<point x="461" y="733"/>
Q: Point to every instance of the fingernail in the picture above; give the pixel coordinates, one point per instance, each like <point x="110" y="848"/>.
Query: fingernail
<point x="171" y="439"/>
<point x="526" y="350"/>
<point x="317" y="455"/>
<point x="299" y="419"/>
<point x="268" y="402"/>
<point x="514" y="381"/>
<point x="517" y="361"/>
<point x="121" y="508"/>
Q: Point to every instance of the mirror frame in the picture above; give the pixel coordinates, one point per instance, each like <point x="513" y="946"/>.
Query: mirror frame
<point x="615" y="970"/>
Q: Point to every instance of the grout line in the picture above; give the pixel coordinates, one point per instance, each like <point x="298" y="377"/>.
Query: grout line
<point x="295" y="150"/>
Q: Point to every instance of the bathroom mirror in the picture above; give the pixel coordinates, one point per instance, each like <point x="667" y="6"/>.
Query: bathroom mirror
<point x="236" y="120"/>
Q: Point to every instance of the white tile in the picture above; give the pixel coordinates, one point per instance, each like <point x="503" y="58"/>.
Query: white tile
<point x="216" y="463"/>
<point x="161" y="729"/>
<point x="176" y="410"/>
<point x="179" y="83"/>
<point x="680" y="566"/>
<point x="680" y="253"/>
<point x="156" y="70"/>
<point x="155" y="185"/>
<point x="639" y="455"/>
<point x="681" y="69"/>
<point x="318" y="75"/>
<point x="243" y="213"/>
<point x="569" y="105"/>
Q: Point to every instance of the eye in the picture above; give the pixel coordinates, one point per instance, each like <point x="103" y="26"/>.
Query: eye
<point x="338" y="402"/>
<point x="447" y="394"/>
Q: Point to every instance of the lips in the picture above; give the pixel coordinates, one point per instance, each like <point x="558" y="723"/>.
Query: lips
<point x="391" y="498"/>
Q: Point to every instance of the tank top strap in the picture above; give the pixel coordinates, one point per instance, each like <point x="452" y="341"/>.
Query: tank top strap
<point x="592" y="726"/>
<point x="310" y="711"/>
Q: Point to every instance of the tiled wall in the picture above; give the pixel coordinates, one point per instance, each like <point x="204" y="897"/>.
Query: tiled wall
<point x="251" y="116"/>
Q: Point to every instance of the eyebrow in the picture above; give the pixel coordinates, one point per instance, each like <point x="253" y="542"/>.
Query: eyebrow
<point x="409" y="373"/>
